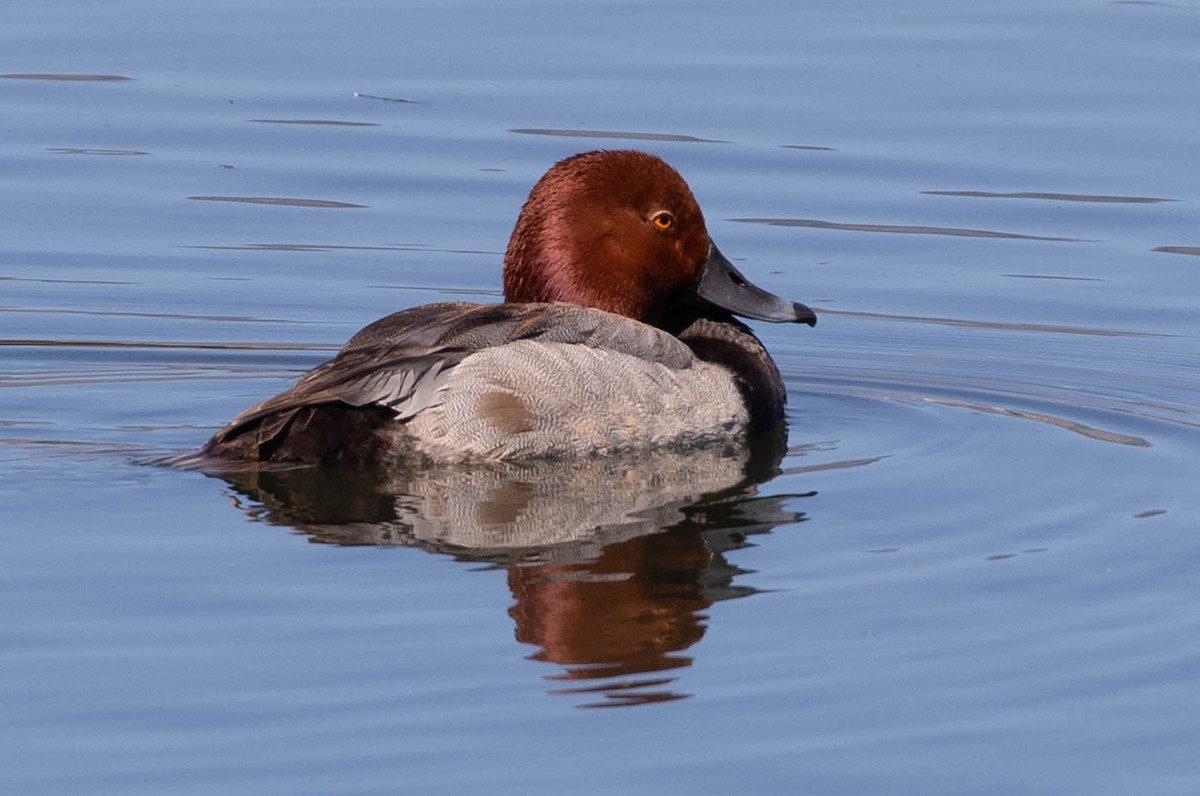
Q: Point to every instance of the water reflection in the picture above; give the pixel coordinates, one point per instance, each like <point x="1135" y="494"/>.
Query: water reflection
<point x="611" y="562"/>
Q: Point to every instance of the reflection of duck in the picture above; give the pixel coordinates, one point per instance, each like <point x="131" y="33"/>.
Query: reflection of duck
<point x="611" y="561"/>
<point x="617" y="334"/>
<point x="631" y="611"/>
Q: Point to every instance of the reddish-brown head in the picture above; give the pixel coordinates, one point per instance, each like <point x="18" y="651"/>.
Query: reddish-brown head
<point x="621" y="231"/>
<point x="616" y="230"/>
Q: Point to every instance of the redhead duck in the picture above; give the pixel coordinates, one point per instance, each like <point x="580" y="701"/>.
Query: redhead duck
<point x="617" y="334"/>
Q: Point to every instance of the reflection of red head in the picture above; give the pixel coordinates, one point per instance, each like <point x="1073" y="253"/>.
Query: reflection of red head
<point x="623" y="613"/>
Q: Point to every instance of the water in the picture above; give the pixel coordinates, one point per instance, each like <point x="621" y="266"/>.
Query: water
<point x="973" y="571"/>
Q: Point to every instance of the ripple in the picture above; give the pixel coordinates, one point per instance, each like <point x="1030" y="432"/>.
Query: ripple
<point x="174" y="316"/>
<point x="118" y="374"/>
<point x="318" y="122"/>
<point x="50" y="281"/>
<point x="1155" y="3"/>
<point x="400" y="100"/>
<point x="1100" y="414"/>
<point x="326" y="247"/>
<point x="615" y="134"/>
<point x="995" y="325"/>
<point x="844" y="464"/>
<point x="277" y="200"/>
<point x="1103" y="435"/>
<point x="182" y="345"/>
<point x="1055" y="276"/>
<point x="901" y="229"/>
<point x="79" y="78"/>
<point x="1054" y="197"/>
<point x="69" y="448"/>
<point x="108" y="152"/>
<point x="306" y="247"/>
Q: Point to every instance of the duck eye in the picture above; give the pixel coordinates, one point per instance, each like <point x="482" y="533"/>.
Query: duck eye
<point x="663" y="219"/>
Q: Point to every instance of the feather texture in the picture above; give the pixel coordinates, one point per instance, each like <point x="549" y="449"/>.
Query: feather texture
<point x="400" y="366"/>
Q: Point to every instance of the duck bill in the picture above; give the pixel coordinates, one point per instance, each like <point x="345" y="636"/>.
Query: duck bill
<point x="723" y="286"/>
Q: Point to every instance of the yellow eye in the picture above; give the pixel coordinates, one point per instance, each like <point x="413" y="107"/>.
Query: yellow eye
<point x="663" y="220"/>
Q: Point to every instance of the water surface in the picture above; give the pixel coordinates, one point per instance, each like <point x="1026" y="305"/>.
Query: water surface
<point x="969" y="567"/>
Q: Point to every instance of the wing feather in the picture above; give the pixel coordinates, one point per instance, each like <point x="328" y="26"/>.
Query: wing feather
<point x="402" y="362"/>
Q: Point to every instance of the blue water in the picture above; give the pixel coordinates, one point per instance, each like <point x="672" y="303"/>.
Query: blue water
<point x="973" y="572"/>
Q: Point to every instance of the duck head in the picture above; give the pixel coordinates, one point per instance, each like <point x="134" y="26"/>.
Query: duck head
<point x="621" y="231"/>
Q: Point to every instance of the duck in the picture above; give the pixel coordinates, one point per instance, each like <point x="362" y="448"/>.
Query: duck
<point x="617" y="333"/>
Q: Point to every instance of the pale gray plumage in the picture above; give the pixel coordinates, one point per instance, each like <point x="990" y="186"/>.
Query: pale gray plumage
<point x="441" y="372"/>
